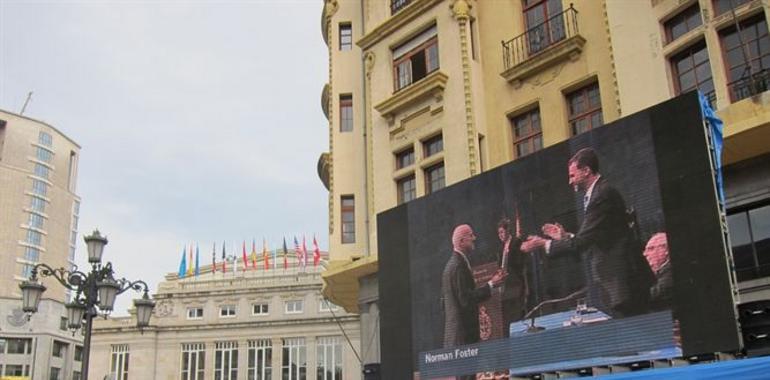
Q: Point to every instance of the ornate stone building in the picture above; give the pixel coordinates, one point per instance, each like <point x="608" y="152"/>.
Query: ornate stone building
<point x="426" y="93"/>
<point x="251" y="324"/>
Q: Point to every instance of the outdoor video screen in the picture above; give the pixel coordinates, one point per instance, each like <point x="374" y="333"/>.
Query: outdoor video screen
<point x="606" y="248"/>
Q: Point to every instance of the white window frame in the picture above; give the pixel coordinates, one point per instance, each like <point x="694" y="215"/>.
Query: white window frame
<point x="228" y="311"/>
<point x="260" y="355"/>
<point x="290" y="306"/>
<point x="325" y="306"/>
<point x="119" y="361"/>
<point x="196" y="361"/>
<point x="195" y="317"/>
<point x="329" y="358"/>
<point x="264" y="309"/>
<point x="227" y="353"/>
<point x="294" y="351"/>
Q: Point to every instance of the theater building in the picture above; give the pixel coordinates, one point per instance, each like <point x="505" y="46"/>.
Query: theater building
<point x="247" y="324"/>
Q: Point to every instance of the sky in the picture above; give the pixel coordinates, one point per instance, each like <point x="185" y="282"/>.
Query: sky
<point x="199" y="121"/>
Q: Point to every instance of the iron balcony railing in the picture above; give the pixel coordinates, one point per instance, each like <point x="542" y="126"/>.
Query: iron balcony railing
<point x="397" y="5"/>
<point x="754" y="84"/>
<point x="539" y="37"/>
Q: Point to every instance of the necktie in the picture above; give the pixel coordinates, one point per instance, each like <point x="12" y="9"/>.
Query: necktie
<point x="586" y="198"/>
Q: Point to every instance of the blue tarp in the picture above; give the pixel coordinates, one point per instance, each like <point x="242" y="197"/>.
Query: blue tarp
<point x="743" y="369"/>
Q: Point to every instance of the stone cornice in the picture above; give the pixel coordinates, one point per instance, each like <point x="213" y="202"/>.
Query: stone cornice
<point x="431" y="85"/>
<point x="396" y="22"/>
<point x="100" y="330"/>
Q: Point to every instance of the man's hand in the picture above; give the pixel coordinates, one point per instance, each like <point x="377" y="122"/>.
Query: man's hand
<point x="554" y="231"/>
<point x="498" y="278"/>
<point x="532" y="243"/>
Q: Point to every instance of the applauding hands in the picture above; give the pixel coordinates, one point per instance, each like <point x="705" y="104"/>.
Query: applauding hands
<point x="554" y="231"/>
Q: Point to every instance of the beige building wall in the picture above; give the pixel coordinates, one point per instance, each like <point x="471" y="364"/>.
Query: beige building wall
<point x="156" y="353"/>
<point x="20" y="142"/>
<point x="621" y="45"/>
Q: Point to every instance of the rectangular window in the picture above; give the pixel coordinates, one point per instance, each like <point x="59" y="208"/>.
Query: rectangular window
<point x="259" y="309"/>
<point x="722" y="6"/>
<point x="193" y="361"/>
<point x="42" y="171"/>
<point x="397" y="5"/>
<point x="226" y="361"/>
<point x="72" y="170"/>
<point x="119" y="362"/>
<point x="34" y="238"/>
<point x="76" y="375"/>
<point x="78" y="353"/>
<point x="44" y="138"/>
<point x="294" y="359"/>
<point x="750" y="239"/>
<point x="54" y="374"/>
<point x="585" y="109"/>
<point x="432" y="146"/>
<point x="348" y="217"/>
<point x="691" y="70"/>
<point x="346" y="36"/>
<point x="39" y="187"/>
<point x="26" y="270"/>
<point x="18" y="345"/>
<point x="43" y="154"/>
<point x="755" y="49"/>
<point x="545" y="24"/>
<point x="227" y="311"/>
<point x="32" y="254"/>
<point x="260" y="360"/>
<point x="527" y="133"/>
<point x="35" y="221"/>
<point x="326" y="306"/>
<point x="329" y="352"/>
<point x="59" y="349"/>
<point x="434" y="178"/>
<point x="293" y="306"/>
<point x="683" y="22"/>
<point x="407" y="189"/>
<point x="194" y="313"/>
<point x="63" y="323"/>
<point x="346" y="113"/>
<point x="416" y="58"/>
<point x="404" y="158"/>
<point x="37" y="204"/>
<point x="16" y="370"/>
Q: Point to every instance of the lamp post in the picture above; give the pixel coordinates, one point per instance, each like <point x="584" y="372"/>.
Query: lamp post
<point x="95" y="293"/>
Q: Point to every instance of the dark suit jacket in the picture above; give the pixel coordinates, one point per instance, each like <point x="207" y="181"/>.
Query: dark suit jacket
<point x="461" y="299"/>
<point x="515" y="287"/>
<point x="660" y="291"/>
<point x="614" y="267"/>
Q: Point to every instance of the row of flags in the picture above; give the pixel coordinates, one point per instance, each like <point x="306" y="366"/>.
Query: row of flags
<point x="190" y="267"/>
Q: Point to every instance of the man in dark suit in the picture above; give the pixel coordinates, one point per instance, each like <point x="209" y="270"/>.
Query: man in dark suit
<point x="613" y="266"/>
<point x="460" y="294"/>
<point x="656" y="253"/>
<point x="515" y="288"/>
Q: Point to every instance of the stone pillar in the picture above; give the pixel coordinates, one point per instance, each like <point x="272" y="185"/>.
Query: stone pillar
<point x="277" y="347"/>
<point x="312" y="357"/>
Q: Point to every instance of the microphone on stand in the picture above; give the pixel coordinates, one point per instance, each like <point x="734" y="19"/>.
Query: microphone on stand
<point x="530" y="314"/>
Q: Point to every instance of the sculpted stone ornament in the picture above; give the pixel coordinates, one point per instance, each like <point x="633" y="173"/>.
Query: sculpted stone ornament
<point x="369" y="61"/>
<point x="17" y="318"/>
<point x="164" y="309"/>
<point x="461" y="10"/>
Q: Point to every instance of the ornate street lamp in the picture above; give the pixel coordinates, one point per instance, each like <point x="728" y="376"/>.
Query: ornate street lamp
<point x="95" y="293"/>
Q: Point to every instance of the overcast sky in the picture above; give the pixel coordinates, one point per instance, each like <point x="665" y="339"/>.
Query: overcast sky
<point x="199" y="121"/>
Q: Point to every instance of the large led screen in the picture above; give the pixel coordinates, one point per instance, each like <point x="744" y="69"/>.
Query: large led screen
<point x="606" y="248"/>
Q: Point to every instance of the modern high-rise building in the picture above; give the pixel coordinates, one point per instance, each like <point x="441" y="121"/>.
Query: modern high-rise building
<point x="426" y="93"/>
<point x="38" y="223"/>
<point x="246" y="323"/>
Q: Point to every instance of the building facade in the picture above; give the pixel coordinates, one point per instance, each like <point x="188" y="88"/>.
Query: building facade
<point x="426" y="93"/>
<point x="251" y="324"/>
<point x="38" y="223"/>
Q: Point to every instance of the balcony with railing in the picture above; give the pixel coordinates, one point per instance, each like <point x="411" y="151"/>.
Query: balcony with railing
<point x="750" y="85"/>
<point x="552" y="41"/>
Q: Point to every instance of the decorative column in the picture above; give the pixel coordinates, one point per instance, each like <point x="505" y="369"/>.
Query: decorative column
<point x="461" y="12"/>
<point x="369" y="58"/>
<point x="277" y="346"/>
